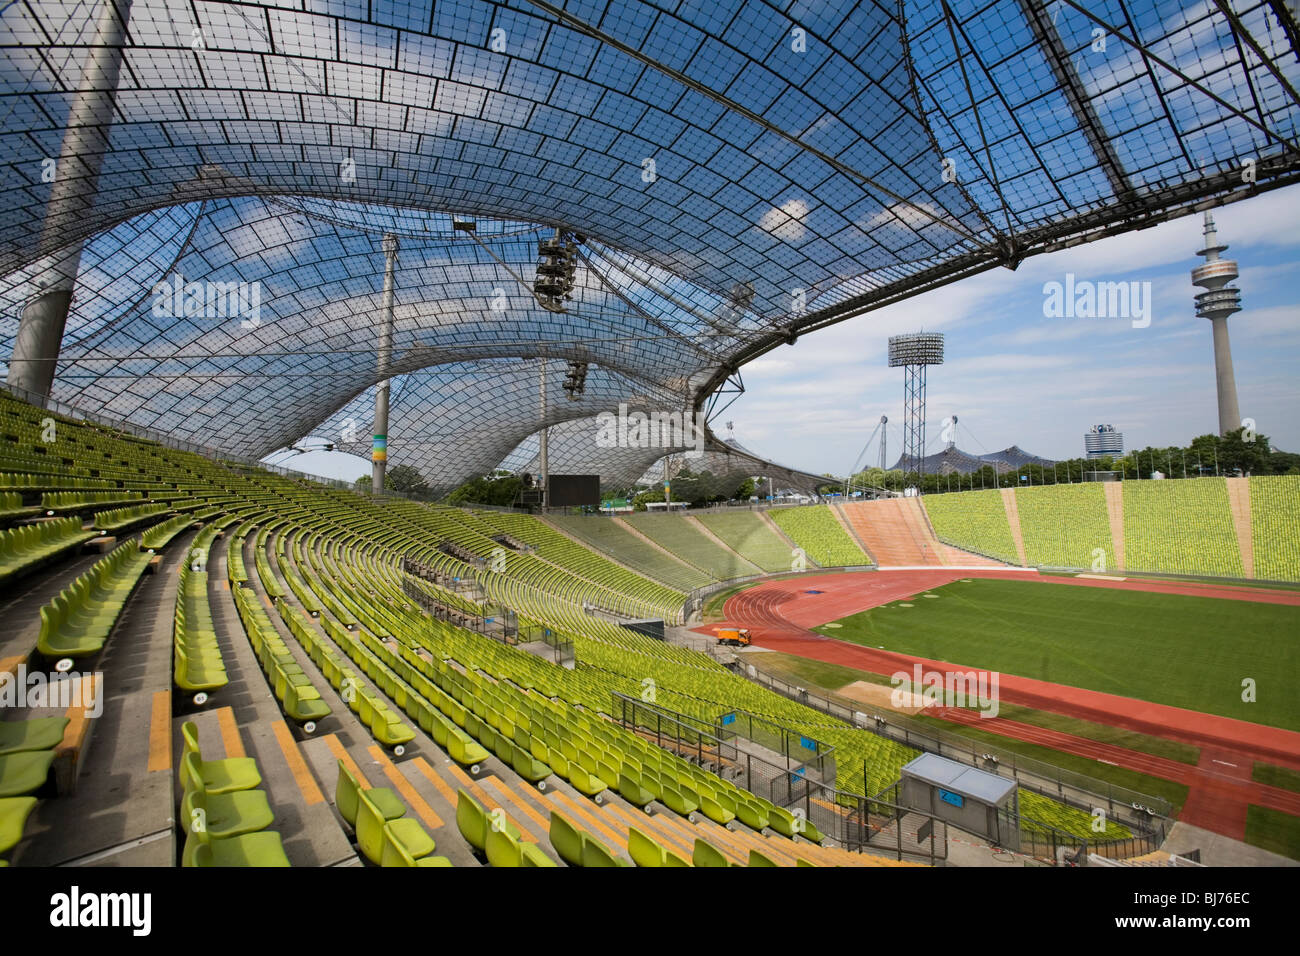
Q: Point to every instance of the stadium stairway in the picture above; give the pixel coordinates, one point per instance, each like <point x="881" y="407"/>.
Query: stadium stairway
<point x="1013" y="519"/>
<point x="248" y="722"/>
<point x="890" y="530"/>
<point x="94" y="824"/>
<point x="1115" y="512"/>
<point x="1239" y="506"/>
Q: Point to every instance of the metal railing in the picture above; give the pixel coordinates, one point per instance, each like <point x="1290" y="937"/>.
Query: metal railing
<point x="812" y="757"/>
<point x="855" y="822"/>
<point x="1074" y="789"/>
<point x="495" y="621"/>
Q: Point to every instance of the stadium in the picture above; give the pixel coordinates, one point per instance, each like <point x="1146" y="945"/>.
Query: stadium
<point x="515" y="259"/>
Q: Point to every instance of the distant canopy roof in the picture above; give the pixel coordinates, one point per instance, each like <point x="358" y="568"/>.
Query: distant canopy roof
<point x="954" y="460"/>
<point x="739" y="172"/>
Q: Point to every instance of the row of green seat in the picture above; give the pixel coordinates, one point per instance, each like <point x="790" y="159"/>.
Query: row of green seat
<point x="11" y="481"/>
<point x="385" y="834"/>
<point x="78" y="622"/>
<point x="56" y="502"/>
<point x="12" y="507"/>
<point x="119" y="519"/>
<point x="156" y="537"/>
<point x="301" y="700"/>
<point x="198" y="666"/>
<point x="375" y="714"/>
<point x="224" y="816"/>
<point x="494" y="837"/>
<point x="26" y="755"/>
<point x="28" y="547"/>
<point x="407" y="682"/>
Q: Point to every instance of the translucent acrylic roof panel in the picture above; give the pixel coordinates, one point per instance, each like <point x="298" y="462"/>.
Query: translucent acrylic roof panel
<point x="739" y="172"/>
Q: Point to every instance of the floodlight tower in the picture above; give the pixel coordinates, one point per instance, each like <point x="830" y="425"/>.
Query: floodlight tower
<point x="914" y="351"/>
<point x="1216" y="304"/>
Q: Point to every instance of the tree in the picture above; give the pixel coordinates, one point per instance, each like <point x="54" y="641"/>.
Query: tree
<point x="364" y="482"/>
<point x="406" y="479"/>
<point x="487" y="490"/>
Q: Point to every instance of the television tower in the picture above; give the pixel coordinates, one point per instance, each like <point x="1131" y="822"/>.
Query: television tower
<point x="1216" y="304"/>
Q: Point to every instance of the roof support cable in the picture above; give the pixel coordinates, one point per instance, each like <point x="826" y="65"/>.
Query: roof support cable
<point x="950" y="222"/>
<point x="1239" y="33"/>
<point x="1010" y="238"/>
<point x="1288" y="145"/>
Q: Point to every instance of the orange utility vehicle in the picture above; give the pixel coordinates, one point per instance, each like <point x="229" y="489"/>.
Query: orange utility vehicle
<point x="733" y="636"/>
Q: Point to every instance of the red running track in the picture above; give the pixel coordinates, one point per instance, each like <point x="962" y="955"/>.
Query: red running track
<point x="779" y="615"/>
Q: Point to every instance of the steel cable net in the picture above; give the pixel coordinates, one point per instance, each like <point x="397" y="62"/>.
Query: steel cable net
<point x="696" y="469"/>
<point x="739" y="172"/>
<point x="273" y="369"/>
<point x="456" y="421"/>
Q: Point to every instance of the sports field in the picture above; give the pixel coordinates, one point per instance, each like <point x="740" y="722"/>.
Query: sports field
<point x="1192" y="652"/>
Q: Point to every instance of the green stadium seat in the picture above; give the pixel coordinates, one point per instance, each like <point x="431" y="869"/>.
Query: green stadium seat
<point x="13" y="817"/>
<point x="396" y="853"/>
<point x="24" y="772"/>
<point x="707" y="855"/>
<point x="646" y="852"/>
<point x="218" y="776"/>
<point x="261" y="849"/>
<point x="374" y="832"/>
<point x="346" y="798"/>
<point x="474" y="823"/>
<point x="632" y="791"/>
<point x="41" y="733"/>
<point x="223" y="815"/>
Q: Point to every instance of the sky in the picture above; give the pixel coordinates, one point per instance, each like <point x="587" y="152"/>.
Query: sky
<point x="1013" y="375"/>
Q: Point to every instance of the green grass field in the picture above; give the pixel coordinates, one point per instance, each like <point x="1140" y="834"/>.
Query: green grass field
<point x="1276" y="776"/>
<point x="1272" y="830"/>
<point x="1191" y="652"/>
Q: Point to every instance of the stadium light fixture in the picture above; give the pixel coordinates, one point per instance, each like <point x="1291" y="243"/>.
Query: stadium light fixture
<point x="575" y="380"/>
<point x="557" y="267"/>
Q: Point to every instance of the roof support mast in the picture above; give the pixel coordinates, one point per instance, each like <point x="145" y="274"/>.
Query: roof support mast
<point x="379" y="452"/>
<point x="75" y="180"/>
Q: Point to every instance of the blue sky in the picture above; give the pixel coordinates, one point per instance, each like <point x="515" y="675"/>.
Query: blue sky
<point x="1013" y="376"/>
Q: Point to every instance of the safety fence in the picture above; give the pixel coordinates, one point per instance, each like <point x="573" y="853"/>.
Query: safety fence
<point x="1145" y="815"/>
<point x="851" y="820"/>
